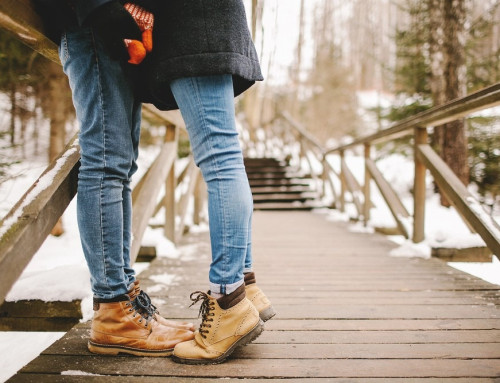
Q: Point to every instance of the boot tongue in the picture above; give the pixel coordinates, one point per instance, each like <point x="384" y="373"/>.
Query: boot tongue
<point x="228" y="301"/>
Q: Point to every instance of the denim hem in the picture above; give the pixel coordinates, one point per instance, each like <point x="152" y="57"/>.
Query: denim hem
<point x="247" y="270"/>
<point x="225" y="289"/>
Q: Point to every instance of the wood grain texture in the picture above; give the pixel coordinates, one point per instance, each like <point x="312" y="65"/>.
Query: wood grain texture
<point x="347" y="312"/>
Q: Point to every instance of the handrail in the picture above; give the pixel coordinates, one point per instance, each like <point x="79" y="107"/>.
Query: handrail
<point x="30" y="221"/>
<point x="453" y="110"/>
<point x="425" y="158"/>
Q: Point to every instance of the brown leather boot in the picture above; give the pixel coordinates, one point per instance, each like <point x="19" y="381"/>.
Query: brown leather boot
<point x="145" y="301"/>
<point x="258" y="298"/>
<point x="119" y="327"/>
<point x="227" y="323"/>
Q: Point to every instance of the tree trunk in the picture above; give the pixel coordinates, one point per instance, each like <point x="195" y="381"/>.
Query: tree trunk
<point x="58" y="116"/>
<point x="454" y="149"/>
<point x="448" y="80"/>
<point x="437" y="80"/>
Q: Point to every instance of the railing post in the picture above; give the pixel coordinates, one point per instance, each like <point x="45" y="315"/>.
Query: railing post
<point x="419" y="188"/>
<point x="367" y="203"/>
<point x="170" y="184"/>
<point x="342" y="182"/>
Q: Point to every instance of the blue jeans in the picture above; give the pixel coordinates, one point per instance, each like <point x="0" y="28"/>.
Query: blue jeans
<point x="109" y="118"/>
<point x="207" y="106"/>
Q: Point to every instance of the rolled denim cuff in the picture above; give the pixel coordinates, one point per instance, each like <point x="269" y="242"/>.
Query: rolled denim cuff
<point x="84" y="8"/>
<point x="225" y="289"/>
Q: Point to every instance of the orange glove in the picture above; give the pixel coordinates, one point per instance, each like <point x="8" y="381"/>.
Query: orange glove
<point x="137" y="50"/>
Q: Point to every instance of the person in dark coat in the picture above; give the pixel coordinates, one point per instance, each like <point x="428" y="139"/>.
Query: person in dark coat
<point x="202" y="57"/>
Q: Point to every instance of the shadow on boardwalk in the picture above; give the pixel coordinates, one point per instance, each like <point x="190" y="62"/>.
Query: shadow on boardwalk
<point x="347" y="312"/>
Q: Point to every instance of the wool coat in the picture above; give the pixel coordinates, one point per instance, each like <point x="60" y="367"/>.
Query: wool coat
<point x="190" y="38"/>
<point x="198" y="38"/>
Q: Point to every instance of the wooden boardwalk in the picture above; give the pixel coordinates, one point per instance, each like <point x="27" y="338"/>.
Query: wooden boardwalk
<point x="347" y="312"/>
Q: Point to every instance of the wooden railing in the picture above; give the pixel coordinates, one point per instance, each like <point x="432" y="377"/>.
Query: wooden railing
<point x="24" y="229"/>
<point x="425" y="158"/>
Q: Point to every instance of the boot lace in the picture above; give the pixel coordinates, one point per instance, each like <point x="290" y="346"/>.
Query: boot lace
<point x="205" y="313"/>
<point x="140" y="307"/>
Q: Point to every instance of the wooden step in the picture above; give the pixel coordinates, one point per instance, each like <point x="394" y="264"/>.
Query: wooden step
<point x="278" y="182"/>
<point x="268" y="170"/>
<point x="267" y="176"/>
<point x="283" y="197"/>
<point x="37" y="315"/>
<point x="296" y="205"/>
<point x="279" y="189"/>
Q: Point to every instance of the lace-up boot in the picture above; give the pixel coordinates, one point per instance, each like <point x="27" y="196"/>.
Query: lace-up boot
<point x="258" y="298"/>
<point x="121" y="326"/>
<point x="227" y="323"/>
<point x="136" y="291"/>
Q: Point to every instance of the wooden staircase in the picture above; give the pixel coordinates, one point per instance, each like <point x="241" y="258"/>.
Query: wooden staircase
<point x="277" y="186"/>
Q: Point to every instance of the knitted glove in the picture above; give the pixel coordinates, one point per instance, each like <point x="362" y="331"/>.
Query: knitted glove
<point x="112" y="23"/>
<point x="137" y="50"/>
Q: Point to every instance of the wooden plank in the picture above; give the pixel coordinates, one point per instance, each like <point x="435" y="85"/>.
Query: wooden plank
<point x="399" y="212"/>
<point x="19" y="18"/>
<point x="352" y="185"/>
<point x="262" y="368"/>
<point x="278" y="324"/>
<point x="371" y="351"/>
<point x="192" y="174"/>
<point x="41" y="309"/>
<point x="459" y="196"/>
<point x="74" y="378"/>
<point x="144" y="203"/>
<point x="469" y="254"/>
<point x="33" y="217"/>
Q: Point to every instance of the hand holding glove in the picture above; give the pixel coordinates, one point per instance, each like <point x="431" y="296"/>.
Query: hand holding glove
<point x="113" y="23"/>
<point x="137" y="49"/>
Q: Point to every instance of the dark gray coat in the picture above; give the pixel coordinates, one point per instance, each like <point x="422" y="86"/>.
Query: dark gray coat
<point x="190" y="38"/>
<point x="198" y="38"/>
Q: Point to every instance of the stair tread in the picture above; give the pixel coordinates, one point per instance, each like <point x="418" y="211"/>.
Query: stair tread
<point x="279" y="189"/>
<point x="309" y="205"/>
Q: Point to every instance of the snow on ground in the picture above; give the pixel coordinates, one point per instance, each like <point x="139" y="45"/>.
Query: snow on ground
<point x="19" y="348"/>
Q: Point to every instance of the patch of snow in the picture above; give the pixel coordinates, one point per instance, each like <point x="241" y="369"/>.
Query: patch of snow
<point x="358" y="227"/>
<point x="19" y="348"/>
<point x="156" y="238"/>
<point x="79" y="373"/>
<point x="486" y="271"/>
<point x="43" y="183"/>
<point x="412" y="250"/>
<point x="165" y="279"/>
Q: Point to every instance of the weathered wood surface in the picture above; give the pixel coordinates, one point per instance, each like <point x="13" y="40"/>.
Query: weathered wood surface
<point x="347" y="312"/>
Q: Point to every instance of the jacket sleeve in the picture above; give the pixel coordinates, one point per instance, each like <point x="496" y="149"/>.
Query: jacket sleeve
<point x="84" y="8"/>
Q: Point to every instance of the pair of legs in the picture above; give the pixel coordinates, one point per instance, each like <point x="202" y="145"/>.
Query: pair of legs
<point x="109" y="117"/>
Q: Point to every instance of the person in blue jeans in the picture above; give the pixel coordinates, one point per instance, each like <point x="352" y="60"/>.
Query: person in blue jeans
<point x="203" y="57"/>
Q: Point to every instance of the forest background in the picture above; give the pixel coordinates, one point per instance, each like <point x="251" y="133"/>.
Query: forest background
<point x="321" y="58"/>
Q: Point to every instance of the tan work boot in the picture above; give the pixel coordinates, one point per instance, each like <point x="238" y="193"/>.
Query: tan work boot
<point x="227" y="323"/>
<point x="258" y="298"/>
<point x="118" y="327"/>
<point x="144" y="302"/>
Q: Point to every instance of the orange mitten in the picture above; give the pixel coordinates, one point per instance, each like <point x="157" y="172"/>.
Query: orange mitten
<point x="137" y="50"/>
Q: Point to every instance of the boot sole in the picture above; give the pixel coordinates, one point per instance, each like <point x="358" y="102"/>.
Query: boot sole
<point x="250" y="337"/>
<point x="107" y="349"/>
<point x="267" y="314"/>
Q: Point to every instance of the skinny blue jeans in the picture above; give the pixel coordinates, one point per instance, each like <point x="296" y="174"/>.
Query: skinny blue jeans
<point x="207" y="106"/>
<point x="109" y="118"/>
